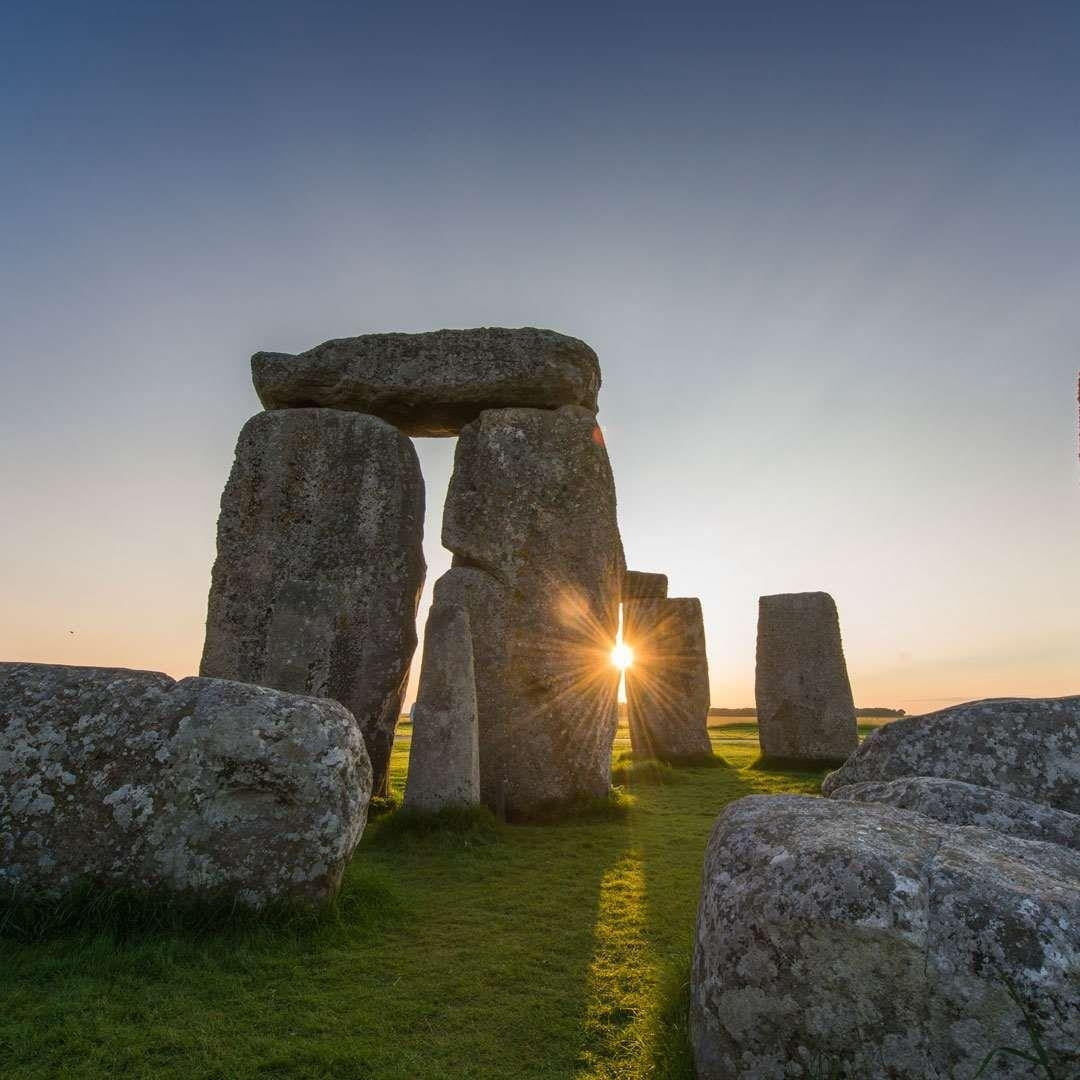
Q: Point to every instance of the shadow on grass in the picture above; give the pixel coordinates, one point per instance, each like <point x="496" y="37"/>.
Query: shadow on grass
<point x="795" y="765"/>
<point x="614" y="806"/>
<point x="454" y="826"/>
<point x="129" y="916"/>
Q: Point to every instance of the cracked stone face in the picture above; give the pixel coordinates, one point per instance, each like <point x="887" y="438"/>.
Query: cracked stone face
<point x="129" y="778"/>
<point x="804" y="705"/>
<point x="538" y="564"/>
<point x="320" y="565"/>
<point x="1025" y="747"/>
<point x="838" y="938"/>
<point x="433" y="383"/>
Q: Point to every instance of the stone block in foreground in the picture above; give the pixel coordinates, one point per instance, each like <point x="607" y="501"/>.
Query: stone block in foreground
<point x="203" y="786"/>
<point x="433" y="383"/>
<point x="805" y="710"/>
<point x="444" y="761"/>
<point x="957" y="803"/>
<point x="1025" y="747"/>
<point x="320" y="565"/>
<point x="857" y="940"/>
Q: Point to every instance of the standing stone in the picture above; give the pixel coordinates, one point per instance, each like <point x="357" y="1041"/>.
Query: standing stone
<point x="667" y="686"/>
<point x="433" y="383"/>
<point x="538" y="564"/>
<point x="320" y="565"/>
<point x="805" y="710"/>
<point x="130" y="779"/>
<point x="641" y="586"/>
<point x="444" y="762"/>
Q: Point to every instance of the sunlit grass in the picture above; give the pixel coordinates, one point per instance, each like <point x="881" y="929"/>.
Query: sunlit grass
<point x="458" y="949"/>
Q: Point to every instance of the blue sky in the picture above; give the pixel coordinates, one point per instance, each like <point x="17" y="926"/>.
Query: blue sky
<point x="828" y="254"/>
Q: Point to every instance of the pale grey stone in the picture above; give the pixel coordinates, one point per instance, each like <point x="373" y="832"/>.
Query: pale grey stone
<point x="638" y="585"/>
<point x="667" y="686"/>
<point x="957" y="803"/>
<point x="805" y="710"/>
<point x="433" y="383"/>
<point x="530" y="517"/>
<point x="1025" y="747"/>
<point x="127" y="778"/>
<point x="320" y="565"/>
<point x="856" y="940"/>
<point x="444" y="761"/>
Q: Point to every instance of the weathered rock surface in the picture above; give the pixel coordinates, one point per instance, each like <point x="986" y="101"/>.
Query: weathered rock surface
<point x="864" y="941"/>
<point x="444" y="761"/>
<point x="320" y="565"/>
<point x="1025" y="747"/>
<point x="805" y="710"/>
<point x="433" y="383"/>
<point x="667" y="686"/>
<point x="957" y="803"/>
<point x="538" y="564"/>
<point x="638" y="585"/>
<point x="127" y="778"/>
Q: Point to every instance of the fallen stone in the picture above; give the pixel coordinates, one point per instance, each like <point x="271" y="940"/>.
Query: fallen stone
<point x="638" y="585"/>
<point x="667" y="686"/>
<point x="129" y="779"/>
<point x="538" y="564"/>
<point x="444" y="762"/>
<point x="956" y="803"/>
<point x="836" y="939"/>
<point x="320" y="566"/>
<point x="805" y="709"/>
<point x="433" y="383"/>
<point x="1025" y="747"/>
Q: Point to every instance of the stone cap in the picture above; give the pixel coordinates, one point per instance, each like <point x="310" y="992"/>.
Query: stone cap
<point x="433" y="383"/>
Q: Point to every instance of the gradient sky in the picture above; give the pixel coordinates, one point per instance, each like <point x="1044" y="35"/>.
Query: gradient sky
<point x="828" y="253"/>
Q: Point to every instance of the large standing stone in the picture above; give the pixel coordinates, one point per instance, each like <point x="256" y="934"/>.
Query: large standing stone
<point x="434" y="383"/>
<point x="805" y="710"/>
<point x="127" y="778"/>
<point x="957" y="803"/>
<point x="1025" y="747"/>
<point x="320" y="565"/>
<point x="667" y="686"/>
<point x="538" y="564"/>
<point x="444" y="761"/>
<point x="855" y="940"/>
<point x="638" y="585"/>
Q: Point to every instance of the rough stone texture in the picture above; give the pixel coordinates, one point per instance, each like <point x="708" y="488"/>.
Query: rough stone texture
<point x="638" y="585"/>
<point x="805" y="709"/>
<point x="836" y="939"/>
<point x="667" y="686"/>
<point x="434" y="383"/>
<point x="127" y="778"/>
<point x="320" y="565"/>
<point x="957" y="803"/>
<point x="444" y="760"/>
<point x="1025" y="747"/>
<point x="538" y="564"/>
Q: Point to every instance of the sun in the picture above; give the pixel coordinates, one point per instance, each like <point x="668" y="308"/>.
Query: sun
<point x="622" y="656"/>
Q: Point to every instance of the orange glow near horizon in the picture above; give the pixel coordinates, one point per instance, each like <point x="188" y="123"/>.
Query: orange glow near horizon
<point x="622" y="656"/>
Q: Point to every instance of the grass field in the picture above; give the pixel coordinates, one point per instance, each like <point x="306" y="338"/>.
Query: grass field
<point x="524" y="951"/>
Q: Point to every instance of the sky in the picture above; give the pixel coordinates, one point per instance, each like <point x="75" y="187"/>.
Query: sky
<point x="828" y="254"/>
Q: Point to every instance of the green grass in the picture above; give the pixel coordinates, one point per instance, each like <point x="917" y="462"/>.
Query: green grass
<point x="459" y="949"/>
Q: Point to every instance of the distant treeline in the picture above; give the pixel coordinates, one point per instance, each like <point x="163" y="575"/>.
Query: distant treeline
<point x="878" y="712"/>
